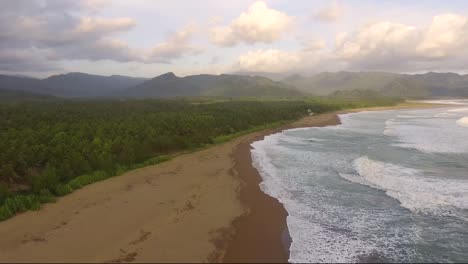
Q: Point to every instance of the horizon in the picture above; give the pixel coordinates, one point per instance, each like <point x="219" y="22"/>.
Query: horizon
<point x="149" y="38"/>
<point x="252" y="74"/>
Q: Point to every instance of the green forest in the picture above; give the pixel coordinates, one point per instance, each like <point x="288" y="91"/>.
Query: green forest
<point x="49" y="149"/>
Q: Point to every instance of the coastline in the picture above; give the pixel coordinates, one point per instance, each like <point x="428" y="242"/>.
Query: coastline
<point x="261" y="234"/>
<point x="204" y="206"/>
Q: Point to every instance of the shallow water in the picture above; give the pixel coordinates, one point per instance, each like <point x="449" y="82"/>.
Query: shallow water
<point x="388" y="186"/>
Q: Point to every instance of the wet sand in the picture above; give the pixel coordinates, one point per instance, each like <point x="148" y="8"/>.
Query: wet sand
<point x="261" y="234"/>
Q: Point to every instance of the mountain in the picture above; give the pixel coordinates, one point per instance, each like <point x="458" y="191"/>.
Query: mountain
<point x="270" y="75"/>
<point x="391" y="84"/>
<point x="22" y="83"/>
<point x="77" y="84"/>
<point x="224" y="85"/>
<point x="444" y="84"/>
<point x="71" y="84"/>
<point x="328" y="82"/>
<point x="81" y="85"/>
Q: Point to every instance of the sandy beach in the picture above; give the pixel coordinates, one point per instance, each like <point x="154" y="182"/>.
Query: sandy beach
<point x="204" y="206"/>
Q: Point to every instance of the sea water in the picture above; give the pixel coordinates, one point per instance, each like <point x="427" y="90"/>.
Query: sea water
<point x="389" y="186"/>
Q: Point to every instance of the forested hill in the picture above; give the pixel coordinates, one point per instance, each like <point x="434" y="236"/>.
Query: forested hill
<point x="71" y="84"/>
<point x="224" y="85"/>
<point x="426" y="85"/>
<point x="77" y="84"/>
<point x="81" y="85"/>
<point x="167" y="85"/>
<point x="18" y="95"/>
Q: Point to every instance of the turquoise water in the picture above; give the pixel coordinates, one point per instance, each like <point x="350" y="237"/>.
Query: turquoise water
<point x="388" y="186"/>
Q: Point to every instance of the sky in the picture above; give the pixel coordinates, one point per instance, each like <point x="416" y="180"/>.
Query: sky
<point x="147" y="38"/>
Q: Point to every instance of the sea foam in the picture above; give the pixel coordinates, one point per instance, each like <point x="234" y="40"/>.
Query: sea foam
<point x="414" y="191"/>
<point x="463" y="121"/>
<point x="322" y="177"/>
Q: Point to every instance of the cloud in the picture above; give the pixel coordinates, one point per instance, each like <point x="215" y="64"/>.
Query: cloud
<point x="388" y="45"/>
<point x="331" y="13"/>
<point x="446" y="36"/>
<point x="258" y="24"/>
<point x="269" y="60"/>
<point x="385" y="46"/>
<point x="177" y="45"/>
<point x="312" y="44"/>
<point x="104" y="25"/>
<point x="20" y="60"/>
<point x="377" y="40"/>
<point x="51" y="31"/>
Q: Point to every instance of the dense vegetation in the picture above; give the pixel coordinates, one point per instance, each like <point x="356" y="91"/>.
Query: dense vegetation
<point x="53" y="148"/>
<point x="18" y="95"/>
<point x="169" y="86"/>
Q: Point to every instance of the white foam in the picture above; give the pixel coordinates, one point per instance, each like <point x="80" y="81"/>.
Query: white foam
<point x="414" y="191"/>
<point x="413" y="116"/>
<point x="457" y="110"/>
<point x="444" y="114"/>
<point x="333" y="220"/>
<point x="312" y="223"/>
<point x="463" y="121"/>
<point x="271" y="184"/>
<point x="449" y="102"/>
<point x="429" y="135"/>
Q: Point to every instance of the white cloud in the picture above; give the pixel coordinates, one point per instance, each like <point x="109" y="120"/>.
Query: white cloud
<point x="270" y="60"/>
<point x="388" y="45"/>
<point x="331" y="13"/>
<point x="313" y="44"/>
<point x="379" y="39"/>
<point x="446" y="36"/>
<point x="94" y="4"/>
<point x="177" y="45"/>
<point x="259" y="23"/>
<point x="101" y="25"/>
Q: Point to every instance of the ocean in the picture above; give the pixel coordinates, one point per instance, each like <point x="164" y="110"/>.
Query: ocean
<point x="384" y="186"/>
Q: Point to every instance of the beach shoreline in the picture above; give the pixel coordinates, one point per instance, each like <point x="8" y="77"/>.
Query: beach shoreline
<point x="262" y="235"/>
<point x="204" y="206"/>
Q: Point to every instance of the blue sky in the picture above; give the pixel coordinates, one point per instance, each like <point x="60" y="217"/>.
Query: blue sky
<point x="151" y="37"/>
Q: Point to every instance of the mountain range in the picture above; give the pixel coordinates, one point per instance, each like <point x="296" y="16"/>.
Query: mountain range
<point x="76" y="85"/>
<point x="72" y="84"/>
<point x="426" y="85"/>
<point x="224" y="85"/>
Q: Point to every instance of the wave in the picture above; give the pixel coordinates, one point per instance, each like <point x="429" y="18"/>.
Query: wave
<point x="463" y="122"/>
<point x="413" y="116"/>
<point x="299" y="140"/>
<point x="444" y="114"/>
<point x="414" y="191"/>
<point x="271" y="183"/>
<point x="389" y="127"/>
<point x="429" y="135"/>
<point x="447" y="102"/>
<point x="458" y="110"/>
<point x="317" y="234"/>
